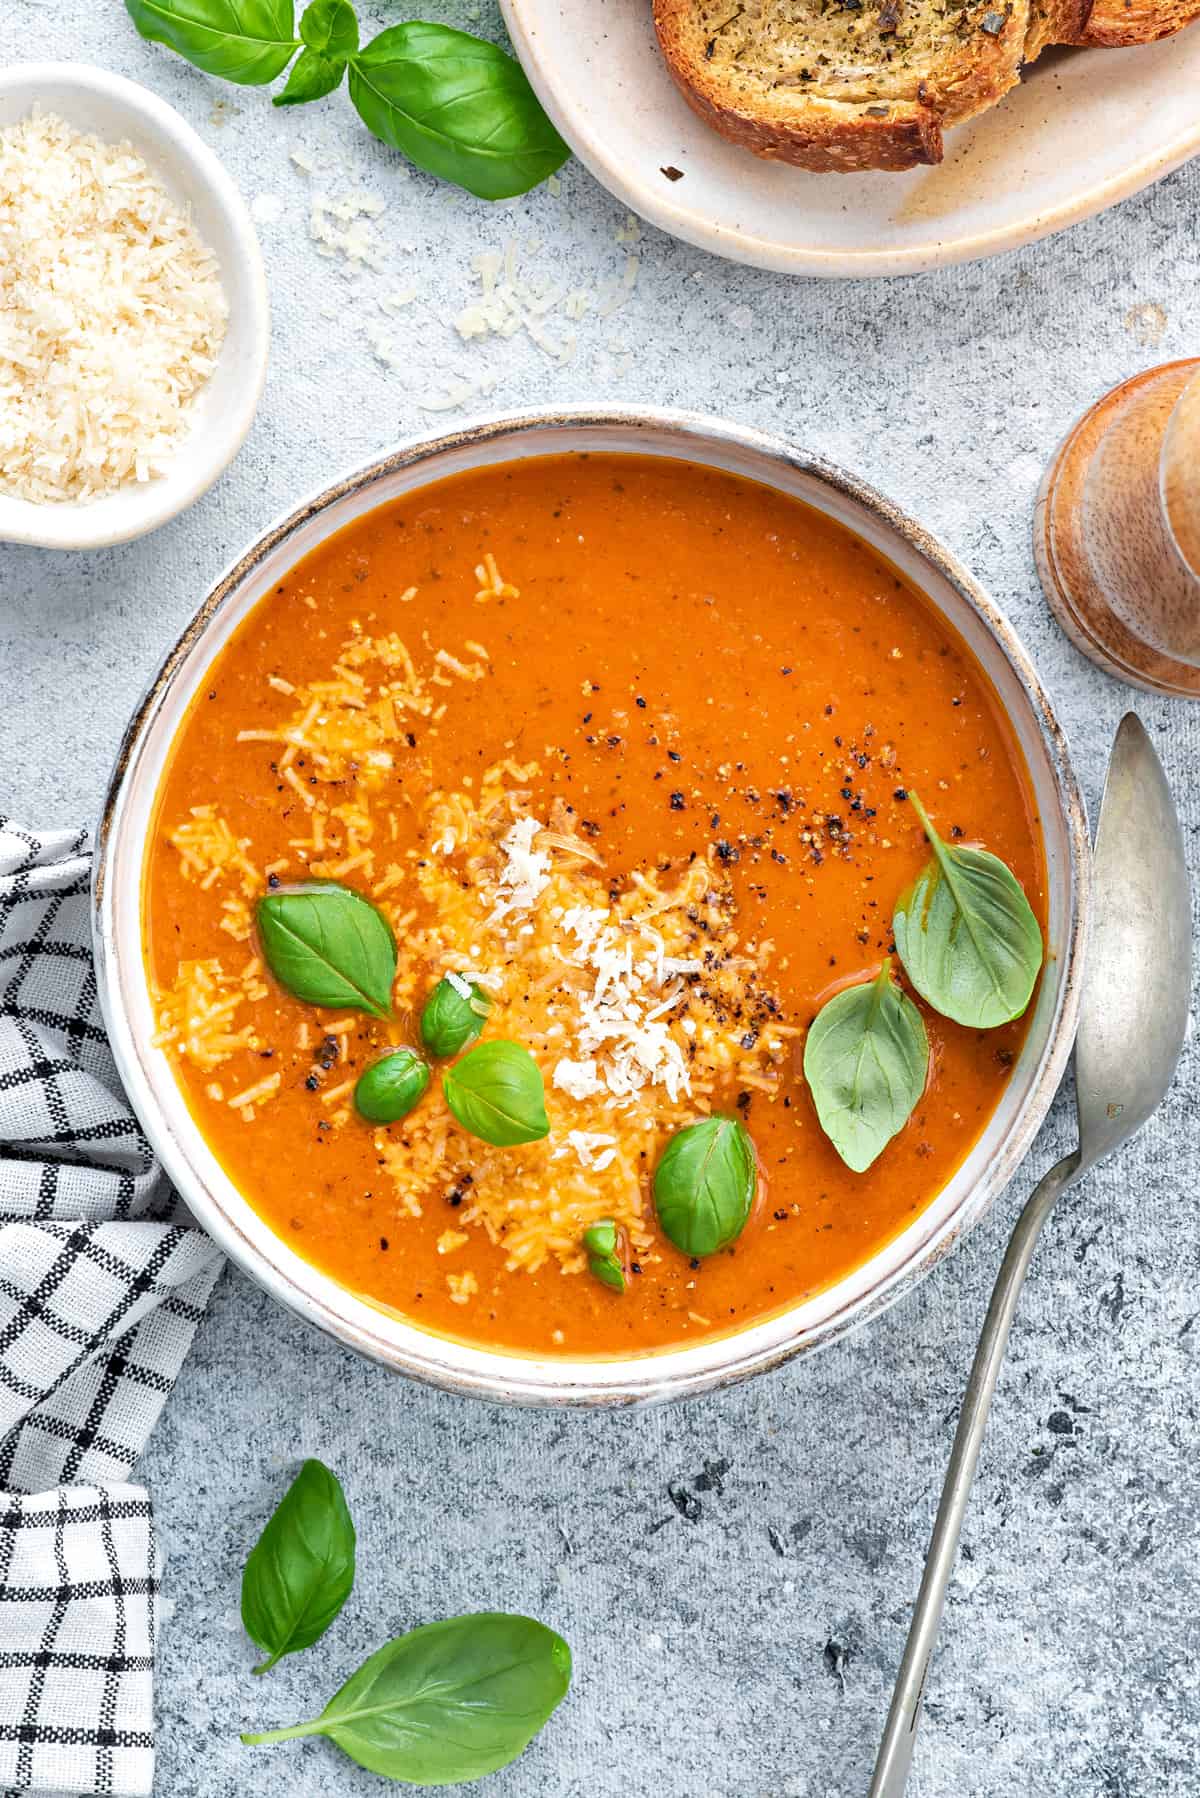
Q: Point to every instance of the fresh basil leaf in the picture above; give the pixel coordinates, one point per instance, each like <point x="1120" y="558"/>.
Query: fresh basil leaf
<point x="600" y="1238"/>
<point x="330" y="28"/>
<point x="866" y="1060"/>
<point x="496" y="1092"/>
<point x="705" y="1184"/>
<point x="328" y="945"/>
<point x="391" y="1086"/>
<point x="447" y="1703"/>
<point x="608" y="1270"/>
<point x="967" y="935"/>
<point x="604" y="1263"/>
<point x="301" y="1569"/>
<point x="452" y="1017"/>
<point x="458" y="107"/>
<point x="248" y="41"/>
<point x="312" y="77"/>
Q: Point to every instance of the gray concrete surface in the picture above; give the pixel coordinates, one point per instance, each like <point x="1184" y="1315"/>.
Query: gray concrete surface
<point x="749" y="1652"/>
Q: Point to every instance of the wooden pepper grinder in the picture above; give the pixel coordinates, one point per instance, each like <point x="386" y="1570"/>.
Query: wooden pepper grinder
<point x="1117" y="531"/>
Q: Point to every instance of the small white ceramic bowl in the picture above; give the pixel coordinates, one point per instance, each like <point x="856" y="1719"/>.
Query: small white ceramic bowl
<point x="113" y="108"/>
<point x="670" y="1373"/>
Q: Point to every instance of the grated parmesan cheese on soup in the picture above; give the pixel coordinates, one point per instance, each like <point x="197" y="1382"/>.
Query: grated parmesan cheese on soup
<point x="632" y="993"/>
<point x="525" y="872"/>
<point x="112" y="315"/>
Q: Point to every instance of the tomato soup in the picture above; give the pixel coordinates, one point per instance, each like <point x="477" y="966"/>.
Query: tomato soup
<point x="614" y="755"/>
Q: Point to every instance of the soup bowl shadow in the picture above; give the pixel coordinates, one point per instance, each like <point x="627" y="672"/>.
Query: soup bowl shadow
<point x="824" y="1316"/>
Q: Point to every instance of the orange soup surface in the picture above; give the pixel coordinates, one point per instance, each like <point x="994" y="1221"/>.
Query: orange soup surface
<point x="631" y="741"/>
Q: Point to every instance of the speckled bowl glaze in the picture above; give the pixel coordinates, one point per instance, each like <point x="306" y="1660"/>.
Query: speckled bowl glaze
<point x="208" y="1190"/>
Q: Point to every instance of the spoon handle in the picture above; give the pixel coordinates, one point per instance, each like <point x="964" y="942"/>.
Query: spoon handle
<point x="900" y="1733"/>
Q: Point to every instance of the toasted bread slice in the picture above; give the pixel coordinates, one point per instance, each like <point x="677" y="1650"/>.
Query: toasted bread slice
<point x="839" y="85"/>
<point x="1054" y="22"/>
<point x="1114" y="24"/>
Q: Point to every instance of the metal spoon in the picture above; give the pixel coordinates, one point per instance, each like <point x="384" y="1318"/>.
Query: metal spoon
<point x="1132" y="1022"/>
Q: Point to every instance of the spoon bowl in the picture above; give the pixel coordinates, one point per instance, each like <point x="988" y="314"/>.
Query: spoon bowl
<point x="1137" y="985"/>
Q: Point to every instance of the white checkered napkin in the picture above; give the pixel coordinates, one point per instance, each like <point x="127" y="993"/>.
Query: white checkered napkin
<point x="77" y="1641"/>
<point x="102" y="1283"/>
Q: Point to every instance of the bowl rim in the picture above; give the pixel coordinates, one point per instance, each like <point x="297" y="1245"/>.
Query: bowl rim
<point x="63" y="525"/>
<point x="495" y="1374"/>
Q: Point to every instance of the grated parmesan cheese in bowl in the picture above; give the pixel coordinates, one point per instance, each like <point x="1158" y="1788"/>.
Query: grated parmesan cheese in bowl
<point x="112" y="314"/>
<point x="133" y="314"/>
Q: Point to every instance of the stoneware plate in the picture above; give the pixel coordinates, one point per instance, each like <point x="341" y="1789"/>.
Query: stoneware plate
<point x="1084" y="129"/>
<point x="114" y="109"/>
<point x="146" y="1072"/>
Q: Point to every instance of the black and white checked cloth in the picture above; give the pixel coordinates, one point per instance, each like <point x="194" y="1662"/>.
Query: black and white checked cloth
<point x="102" y="1283"/>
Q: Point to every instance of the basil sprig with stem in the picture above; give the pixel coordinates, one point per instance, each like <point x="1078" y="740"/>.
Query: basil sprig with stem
<point x="389" y="1088"/>
<point x="447" y="1703"/>
<point x="497" y="1093"/>
<point x="604" y="1263"/>
<point x="967" y="935"/>
<point x="453" y="1015"/>
<point x="705" y="1184"/>
<point x="866" y="1060"/>
<point x="301" y="1569"/>
<point x="456" y="105"/>
<point x="329" y="31"/>
<point x="328" y="945"/>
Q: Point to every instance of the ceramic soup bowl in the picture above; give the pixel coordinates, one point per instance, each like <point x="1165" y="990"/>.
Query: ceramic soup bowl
<point x="211" y="1194"/>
